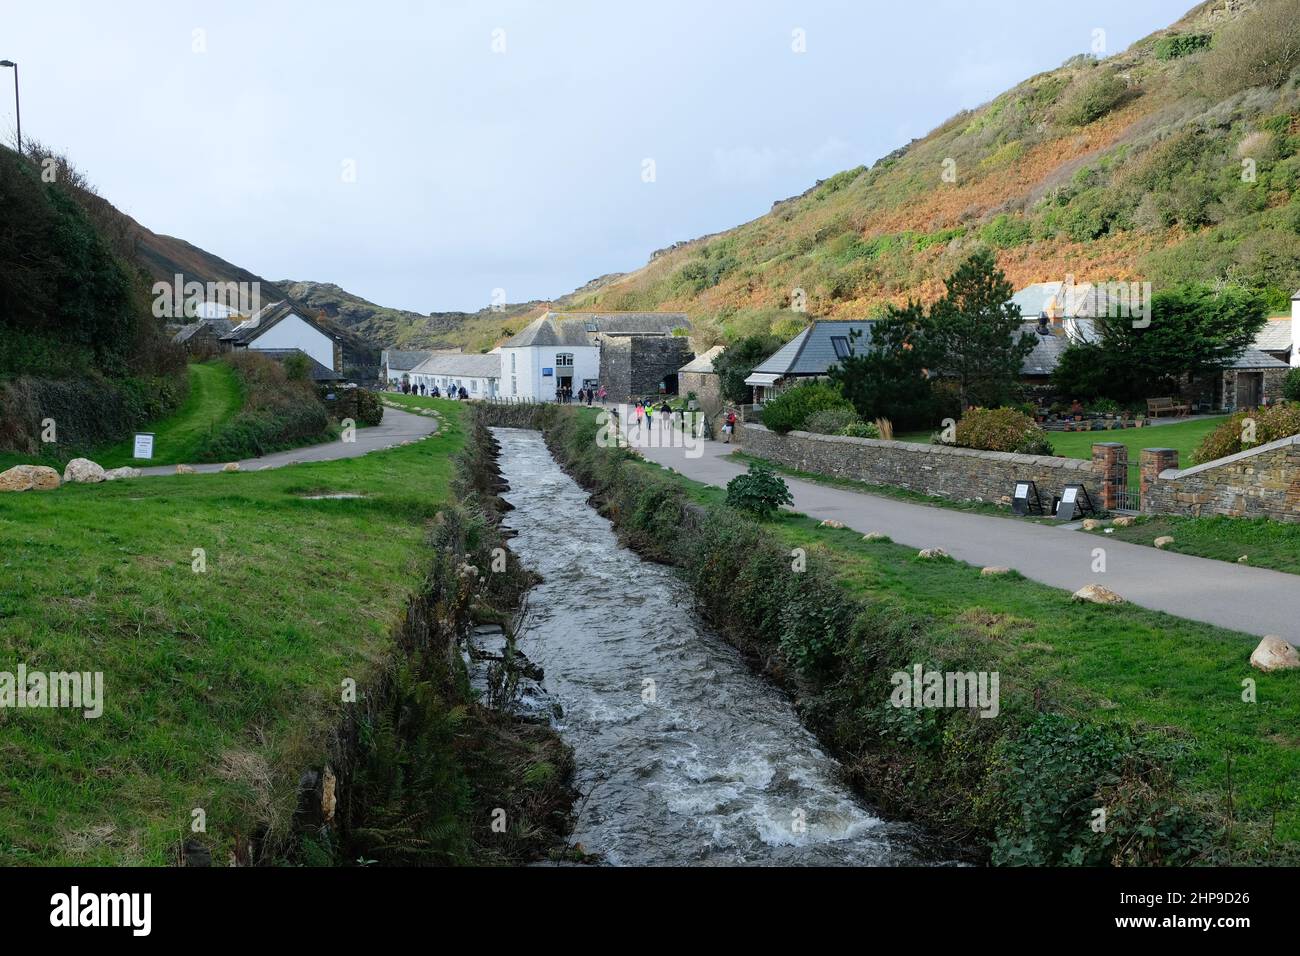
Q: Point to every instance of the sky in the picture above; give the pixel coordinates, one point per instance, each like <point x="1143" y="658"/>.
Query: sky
<point x="425" y="155"/>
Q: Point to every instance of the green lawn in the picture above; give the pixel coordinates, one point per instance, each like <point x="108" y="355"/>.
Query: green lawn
<point x="220" y="687"/>
<point x="215" y="396"/>
<point x="1264" y="543"/>
<point x="1175" y="678"/>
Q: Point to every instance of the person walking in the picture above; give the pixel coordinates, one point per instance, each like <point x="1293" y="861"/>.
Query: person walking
<point x="729" y="428"/>
<point x="602" y="394"/>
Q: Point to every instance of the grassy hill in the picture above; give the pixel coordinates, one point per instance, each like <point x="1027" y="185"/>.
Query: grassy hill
<point x="1174" y="160"/>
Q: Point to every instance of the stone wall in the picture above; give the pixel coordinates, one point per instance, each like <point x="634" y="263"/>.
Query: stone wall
<point x="1263" y="482"/>
<point x="962" y="474"/>
<point x="632" y="367"/>
<point x="705" y="385"/>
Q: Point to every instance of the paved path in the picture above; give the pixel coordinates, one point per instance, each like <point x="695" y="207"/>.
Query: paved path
<point x="1242" y="598"/>
<point x="396" y="427"/>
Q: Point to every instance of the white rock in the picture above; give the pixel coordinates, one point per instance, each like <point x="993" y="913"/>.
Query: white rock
<point x="875" y="536"/>
<point x="184" y="470"/>
<point x="230" y="466"/>
<point x="124" y="472"/>
<point x="1244" y="559"/>
<point x="932" y="553"/>
<point x="1274" y="654"/>
<point x="1097" y="595"/>
<point x="1091" y="524"/>
<point x="994" y="571"/>
<point x="1124" y="521"/>
<point x="83" y="470"/>
<point x="831" y="523"/>
<point x="1164" y="541"/>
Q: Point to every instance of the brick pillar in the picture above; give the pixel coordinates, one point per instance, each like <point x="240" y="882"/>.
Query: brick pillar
<point x="1110" y="460"/>
<point x="1152" y="462"/>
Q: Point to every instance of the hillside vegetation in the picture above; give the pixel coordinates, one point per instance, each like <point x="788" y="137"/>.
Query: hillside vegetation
<point x="1176" y="160"/>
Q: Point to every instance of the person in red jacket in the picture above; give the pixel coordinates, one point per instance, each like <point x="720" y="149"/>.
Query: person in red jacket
<point x="729" y="428"/>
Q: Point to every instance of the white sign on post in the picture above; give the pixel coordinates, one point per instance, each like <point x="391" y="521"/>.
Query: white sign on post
<point x="144" y="445"/>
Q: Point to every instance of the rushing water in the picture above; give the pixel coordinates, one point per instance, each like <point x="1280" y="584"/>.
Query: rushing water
<point x="715" y="769"/>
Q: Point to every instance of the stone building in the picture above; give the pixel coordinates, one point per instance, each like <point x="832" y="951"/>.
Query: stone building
<point x="698" y="377"/>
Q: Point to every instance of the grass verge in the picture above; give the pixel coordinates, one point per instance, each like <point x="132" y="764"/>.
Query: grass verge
<point x="1263" y="542"/>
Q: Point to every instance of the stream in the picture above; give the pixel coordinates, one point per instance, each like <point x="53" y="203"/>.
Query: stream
<point x="684" y="755"/>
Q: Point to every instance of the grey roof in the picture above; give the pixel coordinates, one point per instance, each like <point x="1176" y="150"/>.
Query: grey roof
<point x="1084" y="299"/>
<point x="703" y="363"/>
<point x="267" y="317"/>
<point x="461" y="366"/>
<point x="403" y="361"/>
<point x="1046" y="354"/>
<point x="1255" y="359"/>
<point x="1275" y="336"/>
<point x="220" y="328"/>
<point x="316" y="371"/>
<point x="581" y="328"/>
<point x="811" y="352"/>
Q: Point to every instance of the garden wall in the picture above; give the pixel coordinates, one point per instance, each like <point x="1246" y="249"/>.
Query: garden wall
<point x="1262" y="482"/>
<point x="962" y="474"/>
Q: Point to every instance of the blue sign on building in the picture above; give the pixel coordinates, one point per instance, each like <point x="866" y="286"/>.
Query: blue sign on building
<point x="547" y="371"/>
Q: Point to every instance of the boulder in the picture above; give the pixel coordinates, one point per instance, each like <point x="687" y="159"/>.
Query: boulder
<point x="1244" y="559"/>
<point x="184" y="470"/>
<point x="83" y="470"/>
<point x="994" y="571"/>
<point x="1097" y="595"/>
<point x="875" y="536"/>
<point x="1274" y="654"/>
<point x="831" y="523"/>
<point x="1124" y="521"/>
<point x="1091" y="524"/>
<point x="124" y="472"/>
<point x="230" y="466"/>
<point x="929" y="553"/>
<point x="1164" y="541"/>
<point x="29" y="478"/>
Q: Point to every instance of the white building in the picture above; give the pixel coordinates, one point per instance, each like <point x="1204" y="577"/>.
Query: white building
<point x="285" y="325"/>
<point x="479" y="375"/>
<point x="396" y="365"/>
<point x="549" y="353"/>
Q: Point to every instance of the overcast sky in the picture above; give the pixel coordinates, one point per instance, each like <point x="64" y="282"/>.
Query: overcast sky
<point x="502" y="145"/>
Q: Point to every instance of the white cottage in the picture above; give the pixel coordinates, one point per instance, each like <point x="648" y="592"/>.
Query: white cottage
<point x="547" y="354"/>
<point x="479" y="375"/>
<point x="286" y="325"/>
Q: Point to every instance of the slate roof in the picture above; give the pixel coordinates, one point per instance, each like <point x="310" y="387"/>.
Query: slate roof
<point x="1275" y="336"/>
<point x="703" y="363"/>
<point x="267" y="317"/>
<point x="1084" y="300"/>
<point x="220" y="328"/>
<point x="580" y="328"/>
<point x="461" y="366"/>
<point x="404" y="361"/>
<point x="811" y="352"/>
<point x="315" y="371"/>
<point x="1255" y="359"/>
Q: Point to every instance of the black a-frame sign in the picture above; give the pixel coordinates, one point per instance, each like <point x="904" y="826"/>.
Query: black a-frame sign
<point x="1025" y="499"/>
<point x="1075" y="503"/>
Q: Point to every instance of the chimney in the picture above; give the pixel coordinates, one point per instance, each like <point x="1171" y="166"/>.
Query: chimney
<point x="1295" y="330"/>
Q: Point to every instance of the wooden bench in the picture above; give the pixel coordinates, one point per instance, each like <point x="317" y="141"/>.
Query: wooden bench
<point x="1158" y="406"/>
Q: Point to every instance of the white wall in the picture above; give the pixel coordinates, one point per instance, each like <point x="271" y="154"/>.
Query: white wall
<point x="292" y="332"/>
<point x="478" y="387"/>
<point x="526" y="364"/>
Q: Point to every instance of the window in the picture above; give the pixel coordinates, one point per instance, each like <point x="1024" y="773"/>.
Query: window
<point x="473" y="385"/>
<point x="513" y="357"/>
<point x="564" y="360"/>
<point x="514" y="385"/>
<point x="842" y="348"/>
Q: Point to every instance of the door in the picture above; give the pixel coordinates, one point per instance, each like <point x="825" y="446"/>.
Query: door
<point x="1250" y="389"/>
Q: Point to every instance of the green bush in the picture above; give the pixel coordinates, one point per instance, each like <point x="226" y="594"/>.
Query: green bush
<point x="1291" y="388"/>
<point x="1005" y="231"/>
<point x="831" y="421"/>
<point x="1272" y="423"/>
<point x="1173" y="47"/>
<point x="760" y="491"/>
<point x="861" y="430"/>
<point x="278" y="413"/>
<point x="1093" y="99"/>
<point x="791" y="410"/>
<point x="1002" y="429"/>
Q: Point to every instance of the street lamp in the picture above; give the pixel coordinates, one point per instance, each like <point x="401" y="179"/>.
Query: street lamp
<point x="17" y="111"/>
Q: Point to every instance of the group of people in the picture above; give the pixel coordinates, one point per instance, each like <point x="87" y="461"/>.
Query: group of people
<point x="645" y="411"/>
<point x="564" y="394"/>
<point x="432" y="391"/>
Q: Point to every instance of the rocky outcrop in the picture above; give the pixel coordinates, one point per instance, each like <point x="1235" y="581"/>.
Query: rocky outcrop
<point x="1274" y="654"/>
<point x="29" y="478"/>
<point x="84" y="471"/>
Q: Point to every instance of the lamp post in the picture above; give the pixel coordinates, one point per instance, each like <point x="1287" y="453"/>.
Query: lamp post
<point x="17" y="110"/>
